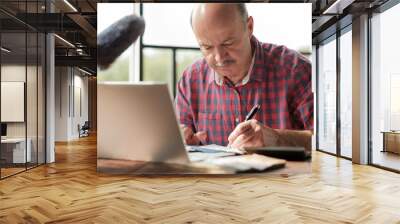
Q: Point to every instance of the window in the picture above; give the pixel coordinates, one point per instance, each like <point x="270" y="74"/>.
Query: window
<point x="123" y="68"/>
<point x="394" y="101"/>
<point x="169" y="44"/>
<point x="273" y="25"/>
<point x="157" y="65"/>
<point x="385" y="85"/>
<point x="164" y="28"/>
<point x="327" y="96"/>
<point x="185" y="58"/>
<point x="23" y="80"/>
<point x="173" y="31"/>
<point x="346" y="94"/>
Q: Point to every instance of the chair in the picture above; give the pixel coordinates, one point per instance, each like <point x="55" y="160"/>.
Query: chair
<point x="84" y="130"/>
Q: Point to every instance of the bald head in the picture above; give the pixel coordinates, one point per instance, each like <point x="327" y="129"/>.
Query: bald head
<point x="213" y="11"/>
<point x="223" y="32"/>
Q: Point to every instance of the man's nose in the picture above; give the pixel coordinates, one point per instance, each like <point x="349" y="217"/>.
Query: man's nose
<point x="219" y="54"/>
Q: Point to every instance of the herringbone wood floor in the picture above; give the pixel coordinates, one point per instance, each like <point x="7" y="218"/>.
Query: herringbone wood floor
<point x="70" y="191"/>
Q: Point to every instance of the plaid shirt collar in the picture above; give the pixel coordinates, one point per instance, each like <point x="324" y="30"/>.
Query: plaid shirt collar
<point x="256" y="70"/>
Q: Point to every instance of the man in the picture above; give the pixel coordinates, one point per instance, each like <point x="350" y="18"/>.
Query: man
<point x="238" y="72"/>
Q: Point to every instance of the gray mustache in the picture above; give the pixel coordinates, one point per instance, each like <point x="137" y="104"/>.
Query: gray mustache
<point x="224" y="63"/>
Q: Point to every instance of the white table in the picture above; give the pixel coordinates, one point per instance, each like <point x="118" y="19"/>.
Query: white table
<point x="18" y="149"/>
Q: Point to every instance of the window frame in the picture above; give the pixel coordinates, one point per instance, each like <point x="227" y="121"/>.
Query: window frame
<point x="174" y="49"/>
<point x="333" y="37"/>
<point x="31" y="30"/>
<point x="380" y="9"/>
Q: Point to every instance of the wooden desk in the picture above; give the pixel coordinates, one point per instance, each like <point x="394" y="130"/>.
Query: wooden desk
<point x="135" y="168"/>
<point x="13" y="150"/>
<point x="391" y="141"/>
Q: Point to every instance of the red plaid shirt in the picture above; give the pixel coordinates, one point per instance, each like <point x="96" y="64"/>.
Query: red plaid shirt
<point x="280" y="81"/>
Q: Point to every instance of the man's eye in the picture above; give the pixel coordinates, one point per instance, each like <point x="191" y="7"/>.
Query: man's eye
<point x="206" y="47"/>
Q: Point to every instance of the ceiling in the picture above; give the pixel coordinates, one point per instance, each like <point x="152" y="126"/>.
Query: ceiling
<point x="76" y="20"/>
<point x="331" y="15"/>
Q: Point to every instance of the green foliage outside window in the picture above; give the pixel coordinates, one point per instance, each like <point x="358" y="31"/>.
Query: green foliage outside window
<point x="157" y="65"/>
<point x="185" y="58"/>
<point x="119" y="71"/>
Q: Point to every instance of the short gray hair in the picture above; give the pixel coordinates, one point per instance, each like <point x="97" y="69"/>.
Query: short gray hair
<point x="242" y="12"/>
<point x="241" y="7"/>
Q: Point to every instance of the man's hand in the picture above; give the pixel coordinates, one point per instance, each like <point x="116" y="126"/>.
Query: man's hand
<point x="193" y="138"/>
<point x="252" y="134"/>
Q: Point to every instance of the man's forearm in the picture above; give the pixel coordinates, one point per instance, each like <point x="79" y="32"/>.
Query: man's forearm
<point x="301" y="138"/>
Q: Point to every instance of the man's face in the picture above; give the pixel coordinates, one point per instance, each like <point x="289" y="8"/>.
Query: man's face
<point x="225" y="44"/>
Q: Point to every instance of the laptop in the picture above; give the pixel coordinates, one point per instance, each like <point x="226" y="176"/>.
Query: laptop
<point x="137" y="122"/>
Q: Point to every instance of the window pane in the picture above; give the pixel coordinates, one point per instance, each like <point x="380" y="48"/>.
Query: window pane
<point x="41" y="99"/>
<point x="166" y="28"/>
<point x="272" y="24"/>
<point x="185" y="58"/>
<point x="108" y="14"/>
<point x="385" y="87"/>
<point x="157" y="65"/>
<point x="13" y="82"/>
<point x="394" y="101"/>
<point x="118" y="71"/>
<point x="327" y="97"/>
<point x="346" y="94"/>
<point x="31" y="101"/>
<point x="32" y="89"/>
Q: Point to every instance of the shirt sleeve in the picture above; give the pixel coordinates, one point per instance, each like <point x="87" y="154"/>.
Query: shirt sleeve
<point x="303" y="98"/>
<point x="182" y="101"/>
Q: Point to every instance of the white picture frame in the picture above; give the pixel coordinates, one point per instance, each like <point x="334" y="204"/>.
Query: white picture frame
<point x="12" y="101"/>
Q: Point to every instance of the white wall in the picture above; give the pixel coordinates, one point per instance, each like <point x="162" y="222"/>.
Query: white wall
<point x="12" y="101"/>
<point x="50" y="93"/>
<point x="62" y="81"/>
<point x="80" y="103"/>
<point x="70" y="83"/>
<point x="14" y="73"/>
<point x="33" y="127"/>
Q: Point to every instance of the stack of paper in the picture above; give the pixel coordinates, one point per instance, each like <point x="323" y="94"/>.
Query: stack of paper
<point x="213" y="149"/>
<point x="202" y="156"/>
<point x="249" y="162"/>
<point x="232" y="158"/>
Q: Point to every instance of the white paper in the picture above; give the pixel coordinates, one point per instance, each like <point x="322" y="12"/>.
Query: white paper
<point x="213" y="148"/>
<point x="248" y="162"/>
<point x="202" y="156"/>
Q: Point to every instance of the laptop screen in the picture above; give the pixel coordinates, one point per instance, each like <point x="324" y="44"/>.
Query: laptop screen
<point x="137" y="122"/>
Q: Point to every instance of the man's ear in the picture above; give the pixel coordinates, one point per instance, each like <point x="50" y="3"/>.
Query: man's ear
<point x="250" y="25"/>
